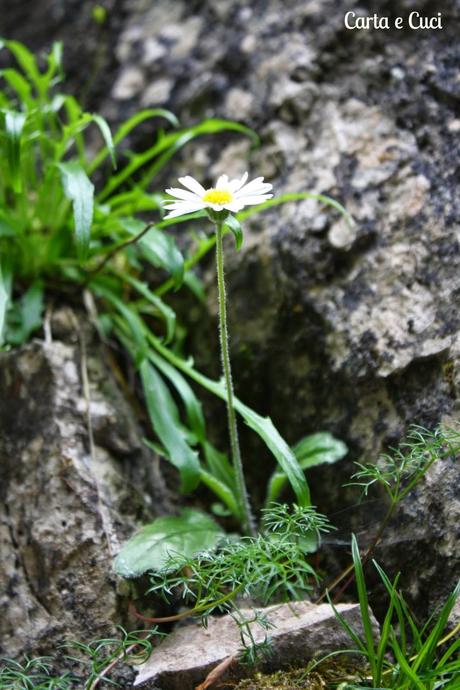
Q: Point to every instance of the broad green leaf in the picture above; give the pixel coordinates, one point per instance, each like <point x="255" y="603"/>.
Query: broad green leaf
<point x="316" y="449"/>
<point x="14" y="125"/>
<point x="25" y="316"/>
<point x="3" y="305"/>
<point x="80" y="190"/>
<point x="235" y="228"/>
<point x="164" y="417"/>
<point x="166" y="538"/>
<point x="158" y="248"/>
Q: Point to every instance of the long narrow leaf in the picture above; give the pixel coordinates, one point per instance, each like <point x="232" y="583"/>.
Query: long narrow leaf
<point x="172" y="142"/>
<point x="79" y="189"/>
<point x="222" y="491"/>
<point x="364" y="604"/>
<point x="164" y="310"/>
<point x="128" y="126"/>
<point x="193" y="407"/>
<point x="163" y="415"/>
<point x="311" y="451"/>
<point x="107" y="136"/>
<point x="14" y="125"/>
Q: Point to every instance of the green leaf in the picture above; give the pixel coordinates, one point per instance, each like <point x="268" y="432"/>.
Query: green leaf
<point x="158" y="248"/>
<point x="280" y="449"/>
<point x="234" y="225"/>
<point x="14" y="125"/>
<point x="222" y="491"/>
<point x="25" y="316"/>
<point x="156" y="543"/>
<point x="164" y="417"/>
<point x="107" y="136"/>
<point x="316" y="449"/>
<point x="26" y="60"/>
<point x="20" y="85"/>
<point x="80" y="190"/>
<point x="219" y="466"/>
<point x="129" y="125"/>
<point x="193" y="407"/>
<point x="164" y="310"/>
<point x="161" y="250"/>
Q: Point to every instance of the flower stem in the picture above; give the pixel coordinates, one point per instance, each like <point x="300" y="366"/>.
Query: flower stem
<point x="242" y="497"/>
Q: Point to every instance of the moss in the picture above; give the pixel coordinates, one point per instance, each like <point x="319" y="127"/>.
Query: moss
<point x="326" y="675"/>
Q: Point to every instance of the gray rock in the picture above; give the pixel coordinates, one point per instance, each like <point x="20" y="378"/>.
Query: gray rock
<point x="301" y="631"/>
<point x="64" y="510"/>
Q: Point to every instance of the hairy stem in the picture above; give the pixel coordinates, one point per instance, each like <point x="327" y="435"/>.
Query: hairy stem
<point x="243" y="500"/>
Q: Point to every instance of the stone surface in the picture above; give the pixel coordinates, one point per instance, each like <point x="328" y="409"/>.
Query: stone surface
<point x="65" y="510"/>
<point x="300" y="632"/>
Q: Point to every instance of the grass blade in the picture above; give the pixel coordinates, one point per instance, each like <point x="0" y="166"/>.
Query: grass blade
<point x="364" y="604"/>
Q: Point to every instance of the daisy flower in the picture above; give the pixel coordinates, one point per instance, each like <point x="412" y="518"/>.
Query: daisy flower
<point x="227" y="195"/>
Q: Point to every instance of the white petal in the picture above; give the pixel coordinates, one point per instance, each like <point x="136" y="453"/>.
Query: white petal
<point x="181" y="194"/>
<point x="222" y="182"/>
<point x="189" y="182"/>
<point x="185" y="205"/>
<point x="183" y="210"/>
<point x="254" y="199"/>
<point x="235" y="185"/>
<point x="254" y="187"/>
<point x="234" y="206"/>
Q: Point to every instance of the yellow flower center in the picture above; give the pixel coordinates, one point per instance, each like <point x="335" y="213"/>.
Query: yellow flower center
<point x="217" y="196"/>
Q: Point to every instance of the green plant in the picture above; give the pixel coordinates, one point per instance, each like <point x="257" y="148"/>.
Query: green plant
<point x="404" y="656"/>
<point x="69" y="227"/>
<point x="91" y="663"/>
<point x="397" y="473"/>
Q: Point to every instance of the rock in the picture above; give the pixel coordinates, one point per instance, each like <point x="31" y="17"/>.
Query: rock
<point x="300" y="632"/>
<point x="65" y="510"/>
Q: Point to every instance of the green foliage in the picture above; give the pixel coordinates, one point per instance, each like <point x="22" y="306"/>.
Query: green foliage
<point x="402" y="468"/>
<point x="270" y="566"/>
<point x="156" y="543"/>
<point x="90" y="663"/>
<point x="404" y="656"/>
